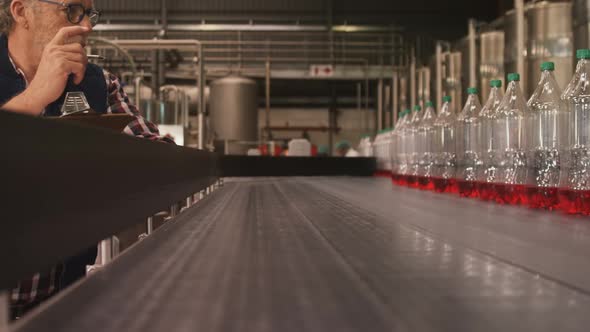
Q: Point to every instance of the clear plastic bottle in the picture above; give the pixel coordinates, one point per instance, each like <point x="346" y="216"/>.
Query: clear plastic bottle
<point x="445" y="157"/>
<point x="567" y="91"/>
<point x="468" y="145"/>
<point x="387" y="152"/>
<point x="574" y="192"/>
<point x="509" y="125"/>
<point x="412" y="147"/>
<point x="547" y="136"/>
<point x="402" y="147"/>
<point x="487" y="173"/>
<point x="426" y="147"/>
<point x="393" y="151"/>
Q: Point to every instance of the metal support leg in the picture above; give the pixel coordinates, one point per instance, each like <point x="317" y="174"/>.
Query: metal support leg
<point x="150" y="225"/>
<point x="106" y="251"/>
<point x="174" y="210"/>
<point x="4" y="312"/>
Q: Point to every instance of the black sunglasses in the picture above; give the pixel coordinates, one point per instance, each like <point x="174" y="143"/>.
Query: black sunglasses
<point x="76" y="12"/>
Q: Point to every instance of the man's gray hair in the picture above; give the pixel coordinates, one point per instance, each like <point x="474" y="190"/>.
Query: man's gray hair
<point x="6" y="20"/>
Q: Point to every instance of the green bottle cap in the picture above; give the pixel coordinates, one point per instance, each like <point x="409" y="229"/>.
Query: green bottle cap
<point x="547" y="66"/>
<point x="429" y="104"/>
<point x="472" y="91"/>
<point x="496" y="83"/>
<point x="447" y="99"/>
<point x="417" y="108"/>
<point x="513" y="77"/>
<point x="583" y="54"/>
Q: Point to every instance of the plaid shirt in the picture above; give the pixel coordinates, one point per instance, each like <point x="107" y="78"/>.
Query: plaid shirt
<point x="28" y="293"/>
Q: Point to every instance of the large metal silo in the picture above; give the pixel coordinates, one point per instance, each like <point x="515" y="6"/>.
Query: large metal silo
<point x="491" y="60"/>
<point x="452" y="82"/>
<point x="234" y="112"/>
<point x="550" y="38"/>
<point x="511" y="48"/>
<point x="581" y="23"/>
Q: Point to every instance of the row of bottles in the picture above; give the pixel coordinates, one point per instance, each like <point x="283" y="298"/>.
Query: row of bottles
<point x="510" y="151"/>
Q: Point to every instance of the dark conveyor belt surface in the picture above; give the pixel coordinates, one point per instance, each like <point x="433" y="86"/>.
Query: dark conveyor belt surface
<point x="338" y="254"/>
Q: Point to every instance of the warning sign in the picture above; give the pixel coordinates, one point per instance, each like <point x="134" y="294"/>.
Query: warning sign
<point x="321" y="71"/>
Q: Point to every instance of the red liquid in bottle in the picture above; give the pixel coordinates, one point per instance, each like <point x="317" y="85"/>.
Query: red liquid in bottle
<point x="453" y="186"/>
<point x="403" y="180"/>
<point x="542" y="197"/>
<point x="440" y="184"/>
<point x="425" y="183"/>
<point x="574" y="201"/>
<point x="486" y="191"/>
<point x="412" y="181"/>
<point x="512" y="194"/>
<point x="467" y="188"/>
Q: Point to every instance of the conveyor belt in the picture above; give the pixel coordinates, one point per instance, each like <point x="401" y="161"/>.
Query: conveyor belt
<point x="339" y="254"/>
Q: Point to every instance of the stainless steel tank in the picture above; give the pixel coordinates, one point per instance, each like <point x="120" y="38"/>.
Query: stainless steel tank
<point x="491" y="60"/>
<point x="451" y="78"/>
<point x="581" y="23"/>
<point x="462" y="47"/>
<point x="550" y="38"/>
<point x="452" y="85"/>
<point x="510" y="47"/>
<point x="234" y="112"/>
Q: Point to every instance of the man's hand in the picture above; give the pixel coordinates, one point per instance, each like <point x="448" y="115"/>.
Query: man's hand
<point x="60" y="59"/>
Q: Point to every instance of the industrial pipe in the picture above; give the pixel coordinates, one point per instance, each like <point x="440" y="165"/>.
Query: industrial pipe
<point x="519" y="9"/>
<point x="472" y="53"/>
<point x="439" y="92"/>
<point x="413" y="79"/>
<point x="182" y="44"/>
<point x="380" y="105"/>
<point x="394" y="97"/>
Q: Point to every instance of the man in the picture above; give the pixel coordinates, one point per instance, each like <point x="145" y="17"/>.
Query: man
<point x="42" y="57"/>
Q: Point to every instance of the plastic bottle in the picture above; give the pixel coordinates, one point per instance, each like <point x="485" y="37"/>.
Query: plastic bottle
<point x="580" y="54"/>
<point x="402" y="147"/>
<point x="547" y="136"/>
<point x="574" y="192"/>
<point x="426" y="147"/>
<point x="395" y="149"/>
<point x="509" y="125"/>
<point x="412" y="151"/>
<point x="487" y="173"/>
<point x="468" y="145"/>
<point x="445" y="157"/>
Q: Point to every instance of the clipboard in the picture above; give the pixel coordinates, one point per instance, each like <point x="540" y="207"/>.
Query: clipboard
<point x="116" y="122"/>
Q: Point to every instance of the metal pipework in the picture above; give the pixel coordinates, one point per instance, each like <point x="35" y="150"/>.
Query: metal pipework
<point x="267" y="99"/>
<point x="394" y="97"/>
<point x="138" y="81"/>
<point x="182" y="44"/>
<point x="118" y="48"/>
<point x="472" y="53"/>
<point x="380" y="104"/>
<point x="180" y="103"/>
<point x="519" y="8"/>
<point x="420" y="73"/>
<point x="439" y="78"/>
<point x="413" y="79"/>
